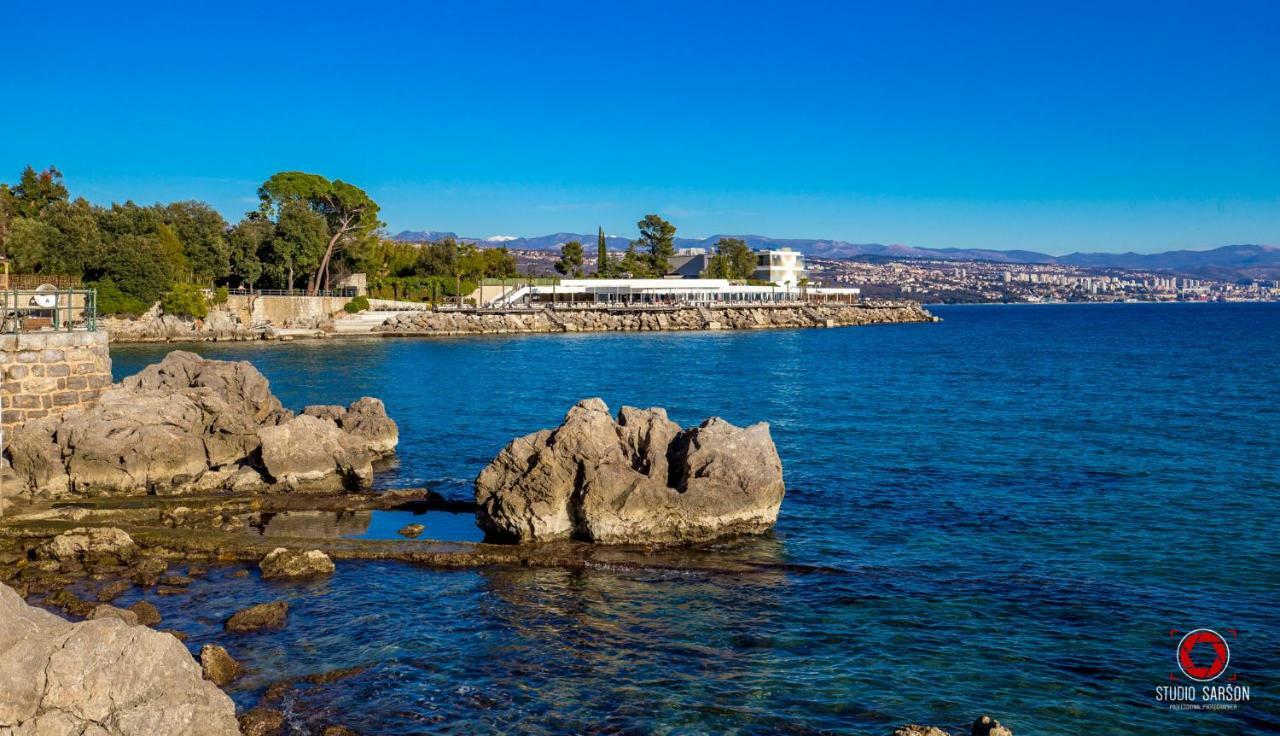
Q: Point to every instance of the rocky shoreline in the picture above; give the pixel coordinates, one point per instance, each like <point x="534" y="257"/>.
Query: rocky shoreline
<point x="651" y="319"/>
<point x="166" y="478"/>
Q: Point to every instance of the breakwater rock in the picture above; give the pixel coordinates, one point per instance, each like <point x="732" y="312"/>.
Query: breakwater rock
<point x="637" y="479"/>
<point x="190" y="425"/>
<point x="153" y="326"/>
<point x="651" y="318"/>
<point x="102" y="676"/>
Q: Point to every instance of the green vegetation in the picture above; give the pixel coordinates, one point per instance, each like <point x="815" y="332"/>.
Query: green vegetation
<point x="658" y="237"/>
<point x="356" y="305"/>
<point x="306" y="232"/>
<point x="570" y="263"/>
<point x="733" y="260"/>
<point x="604" y="264"/>
<point x="185" y="300"/>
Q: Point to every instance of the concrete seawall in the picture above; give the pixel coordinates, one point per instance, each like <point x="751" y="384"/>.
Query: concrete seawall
<point x="652" y="318"/>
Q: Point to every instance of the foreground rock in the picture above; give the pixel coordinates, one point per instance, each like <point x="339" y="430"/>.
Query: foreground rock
<point x="283" y="563"/>
<point x="637" y="479"/>
<point x="99" y="677"/>
<point x="272" y="615"/>
<point x="217" y="665"/>
<point x="190" y="425"/>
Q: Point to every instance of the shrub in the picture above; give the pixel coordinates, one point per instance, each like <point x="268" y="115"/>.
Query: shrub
<point x="185" y="300"/>
<point x="111" y="300"/>
<point x="220" y="295"/>
<point x="358" y="304"/>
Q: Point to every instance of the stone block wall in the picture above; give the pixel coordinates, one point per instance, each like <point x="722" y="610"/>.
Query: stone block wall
<point x="45" y="373"/>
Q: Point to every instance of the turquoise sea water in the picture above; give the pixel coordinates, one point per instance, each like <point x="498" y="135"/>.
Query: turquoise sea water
<point x="1004" y="513"/>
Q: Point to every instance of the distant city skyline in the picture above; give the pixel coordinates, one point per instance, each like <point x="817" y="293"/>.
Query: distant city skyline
<point x="1147" y="127"/>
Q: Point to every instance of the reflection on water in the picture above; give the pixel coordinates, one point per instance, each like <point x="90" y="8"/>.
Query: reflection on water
<point x="443" y="526"/>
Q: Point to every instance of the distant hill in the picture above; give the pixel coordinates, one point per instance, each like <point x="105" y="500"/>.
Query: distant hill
<point x="1226" y="262"/>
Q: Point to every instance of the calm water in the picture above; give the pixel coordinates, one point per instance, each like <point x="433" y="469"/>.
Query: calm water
<point x="1011" y="509"/>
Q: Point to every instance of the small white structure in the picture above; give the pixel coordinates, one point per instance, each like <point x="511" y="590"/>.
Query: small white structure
<point x="784" y="266"/>
<point x="664" y="291"/>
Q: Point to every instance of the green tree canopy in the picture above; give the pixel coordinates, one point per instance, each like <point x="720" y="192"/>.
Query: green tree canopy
<point x="604" y="264"/>
<point x="570" y="262"/>
<point x="349" y="214"/>
<point x="36" y="190"/>
<point x="658" y="239"/>
<point x="245" y="244"/>
<point x="297" y="246"/>
<point x="733" y="260"/>
<point x="203" y="234"/>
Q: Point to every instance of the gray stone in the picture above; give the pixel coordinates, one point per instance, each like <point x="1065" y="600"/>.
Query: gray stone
<point x="639" y="479"/>
<point x="101" y="676"/>
<point x="89" y="544"/>
<point x="284" y="563"/>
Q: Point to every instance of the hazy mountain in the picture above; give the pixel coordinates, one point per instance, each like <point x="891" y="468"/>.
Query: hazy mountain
<point x="1226" y="262"/>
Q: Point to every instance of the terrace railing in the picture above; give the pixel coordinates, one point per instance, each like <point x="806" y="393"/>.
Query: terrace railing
<point x="46" y="309"/>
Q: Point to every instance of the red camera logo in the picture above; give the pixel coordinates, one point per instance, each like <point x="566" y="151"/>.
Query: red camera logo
<point x="1203" y="655"/>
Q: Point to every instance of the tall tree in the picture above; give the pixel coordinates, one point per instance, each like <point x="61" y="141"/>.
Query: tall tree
<point x="298" y="244"/>
<point x="203" y="234"/>
<point x="570" y="262"/>
<point x="246" y="243"/>
<point x="349" y="213"/>
<point x="35" y="190"/>
<point x="733" y="260"/>
<point x="635" y="263"/>
<point x="604" y="267"/>
<point x="658" y="237"/>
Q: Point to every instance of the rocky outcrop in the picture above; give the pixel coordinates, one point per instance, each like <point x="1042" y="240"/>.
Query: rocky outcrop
<point x="152" y="326"/>
<point x="272" y="615"/>
<point x="637" y="479"/>
<point x="90" y="545"/>
<point x="604" y="319"/>
<point x="284" y="563"/>
<point x="188" y="425"/>
<point x="983" y="726"/>
<point x="102" y="677"/>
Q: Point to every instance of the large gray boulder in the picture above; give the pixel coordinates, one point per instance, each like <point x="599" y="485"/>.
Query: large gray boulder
<point x="102" y="677"/>
<point x="190" y="425"/>
<point x="637" y="479"/>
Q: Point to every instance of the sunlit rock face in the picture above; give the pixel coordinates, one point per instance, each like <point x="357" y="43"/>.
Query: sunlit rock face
<point x="638" y="478"/>
<point x="190" y="425"/>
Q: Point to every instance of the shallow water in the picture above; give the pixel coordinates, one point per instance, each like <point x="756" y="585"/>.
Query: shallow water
<point x="442" y="526"/>
<point x="1012" y="508"/>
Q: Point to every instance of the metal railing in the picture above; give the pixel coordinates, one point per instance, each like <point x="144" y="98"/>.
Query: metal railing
<point x="43" y="310"/>
<point x="346" y="291"/>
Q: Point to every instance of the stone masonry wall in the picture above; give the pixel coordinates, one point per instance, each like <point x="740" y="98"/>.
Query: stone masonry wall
<point x="46" y="373"/>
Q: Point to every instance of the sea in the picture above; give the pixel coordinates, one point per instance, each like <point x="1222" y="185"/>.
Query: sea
<point x="1017" y="511"/>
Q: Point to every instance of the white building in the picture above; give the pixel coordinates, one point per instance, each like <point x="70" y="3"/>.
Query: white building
<point x="663" y="291"/>
<point x="783" y="267"/>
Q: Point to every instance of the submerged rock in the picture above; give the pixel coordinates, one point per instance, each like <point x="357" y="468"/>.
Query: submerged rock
<point x="262" y="722"/>
<point x="637" y="479"/>
<point x="411" y="530"/>
<point x="272" y="615"/>
<point x="147" y="613"/>
<point x="190" y="425"/>
<point x="984" y="726"/>
<point x="99" y="677"/>
<point x="284" y="563"/>
<point x="217" y="665"/>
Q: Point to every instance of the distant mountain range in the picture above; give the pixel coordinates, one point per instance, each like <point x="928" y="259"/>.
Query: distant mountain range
<point x="1227" y="262"/>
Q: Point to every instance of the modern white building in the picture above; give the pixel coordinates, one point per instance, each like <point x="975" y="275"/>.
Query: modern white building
<point x="783" y="266"/>
<point x="663" y="291"/>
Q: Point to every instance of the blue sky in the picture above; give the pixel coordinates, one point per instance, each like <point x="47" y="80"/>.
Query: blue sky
<point x="1055" y="127"/>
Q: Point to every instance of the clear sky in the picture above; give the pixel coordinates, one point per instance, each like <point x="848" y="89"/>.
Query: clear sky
<point x="1050" y="126"/>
